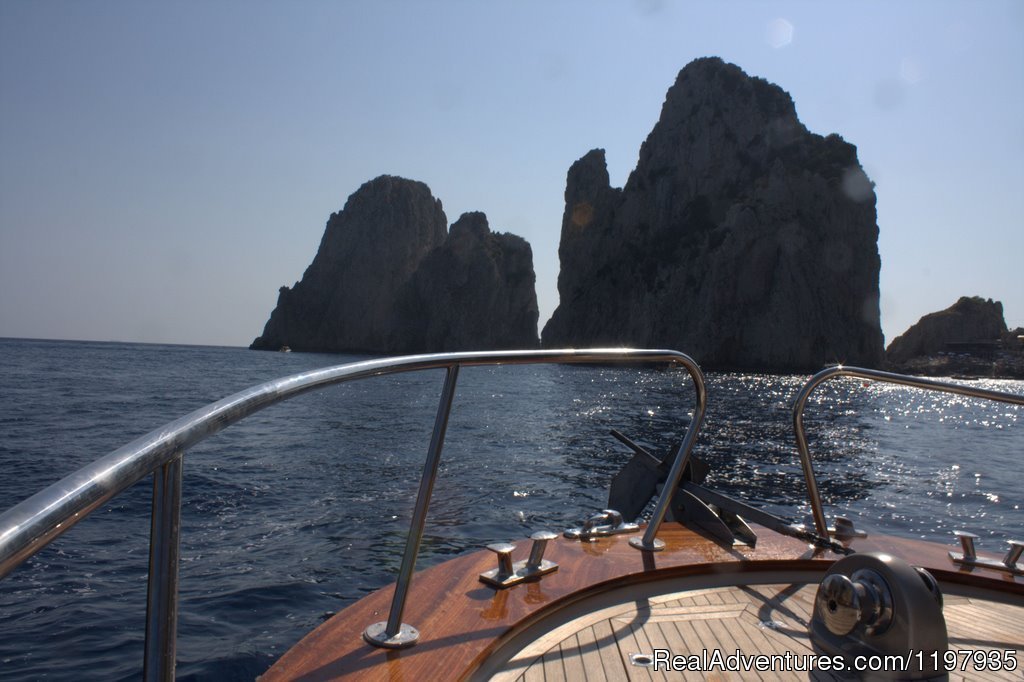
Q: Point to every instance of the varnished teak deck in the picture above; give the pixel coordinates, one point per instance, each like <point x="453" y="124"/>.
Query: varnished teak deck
<point x="462" y="622"/>
<point x="767" y="620"/>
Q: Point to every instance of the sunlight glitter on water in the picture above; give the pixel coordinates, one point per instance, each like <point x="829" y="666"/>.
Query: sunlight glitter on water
<point x="319" y="491"/>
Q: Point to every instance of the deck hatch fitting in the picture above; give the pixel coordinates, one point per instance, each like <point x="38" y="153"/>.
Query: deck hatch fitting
<point x="642" y="660"/>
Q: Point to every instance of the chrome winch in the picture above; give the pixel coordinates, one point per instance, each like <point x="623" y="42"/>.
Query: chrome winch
<point x="875" y="607"/>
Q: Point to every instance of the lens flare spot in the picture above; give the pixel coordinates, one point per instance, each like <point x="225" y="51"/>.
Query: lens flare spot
<point x="779" y="33"/>
<point x="582" y="214"/>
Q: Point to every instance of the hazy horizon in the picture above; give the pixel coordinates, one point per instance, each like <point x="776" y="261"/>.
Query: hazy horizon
<point x="165" y="169"/>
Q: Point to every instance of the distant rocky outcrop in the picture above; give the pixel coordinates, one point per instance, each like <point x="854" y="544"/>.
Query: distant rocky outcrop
<point x="389" y="277"/>
<point x="740" y="238"/>
<point x="969" y="338"/>
<point x="969" y="320"/>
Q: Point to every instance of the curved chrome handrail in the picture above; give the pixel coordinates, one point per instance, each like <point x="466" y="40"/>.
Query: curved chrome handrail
<point x="875" y="375"/>
<point x="35" y="522"/>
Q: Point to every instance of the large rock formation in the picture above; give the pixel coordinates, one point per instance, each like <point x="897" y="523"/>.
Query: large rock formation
<point x="740" y="237"/>
<point x="476" y="291"/>
<point x="973" y="320"/>
<point x="388" y="277"/>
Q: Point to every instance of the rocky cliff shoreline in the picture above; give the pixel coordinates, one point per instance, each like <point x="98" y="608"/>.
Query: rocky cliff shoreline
<point x="1004" y="363"/>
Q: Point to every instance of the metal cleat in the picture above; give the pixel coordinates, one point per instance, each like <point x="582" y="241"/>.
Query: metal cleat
<point x="967" y="543"/>
<point x="844" y="530"/>
<point x="537" y="565"/>
<point x="1013" y="555"/>
<point x="969" y="558"/>
<point x="508" y="574"/>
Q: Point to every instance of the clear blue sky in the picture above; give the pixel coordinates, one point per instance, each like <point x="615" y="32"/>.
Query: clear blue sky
<point x="165" y="167"/>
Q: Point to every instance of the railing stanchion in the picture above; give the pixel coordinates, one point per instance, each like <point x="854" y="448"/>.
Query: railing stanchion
<point x="800" y="404"/>
<point x="813" y="496"/>
<point x="33" y="523"/>
<point x="162" y="599"/>
<point x="648" y="541"/>
<point x="395" y="634"/>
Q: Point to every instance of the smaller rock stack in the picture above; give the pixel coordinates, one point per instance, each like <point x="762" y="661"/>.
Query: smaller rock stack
<point x="967" y="339"/>
<point x="389" y="278"/>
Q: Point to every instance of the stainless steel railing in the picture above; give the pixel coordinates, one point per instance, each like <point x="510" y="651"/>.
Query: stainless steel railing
<point x="874" y="375"/>
<point x="35" y="522"/>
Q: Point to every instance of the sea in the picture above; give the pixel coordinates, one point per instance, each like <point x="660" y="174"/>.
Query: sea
<point x="294" y="513"/>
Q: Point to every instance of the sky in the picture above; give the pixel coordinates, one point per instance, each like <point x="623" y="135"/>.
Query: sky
<point x="166" y="167"/>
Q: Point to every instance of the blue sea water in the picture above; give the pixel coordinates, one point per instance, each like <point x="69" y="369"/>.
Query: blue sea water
<point x="294" y="513"/>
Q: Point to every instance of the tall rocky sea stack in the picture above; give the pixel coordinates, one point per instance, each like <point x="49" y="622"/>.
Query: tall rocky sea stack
<point x="389" y="277"/>
<point x="740" y="238"/>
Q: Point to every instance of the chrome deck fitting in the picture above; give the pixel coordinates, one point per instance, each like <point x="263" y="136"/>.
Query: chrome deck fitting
<point x="604" y="523"/>
<point x="377" y="635"/>
<point x="844" y="530"/>
<point x="872" y="604"/>
<point x="969" y="558"/>
<point x="508" y="574"/>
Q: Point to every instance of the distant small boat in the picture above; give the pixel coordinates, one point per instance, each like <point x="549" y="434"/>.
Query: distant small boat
<point x="284" y="349"/>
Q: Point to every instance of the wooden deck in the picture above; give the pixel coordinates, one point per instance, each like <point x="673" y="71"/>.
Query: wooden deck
<point x="619" y="642"/>
<point x="464" y="623"/>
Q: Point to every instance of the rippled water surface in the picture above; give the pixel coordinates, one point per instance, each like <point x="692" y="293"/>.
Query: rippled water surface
<point x="297" y="511"/>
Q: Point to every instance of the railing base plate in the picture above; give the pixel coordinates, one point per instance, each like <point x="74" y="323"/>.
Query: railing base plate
<point x="377" y="635"/>
<point x="638" y="543"/>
